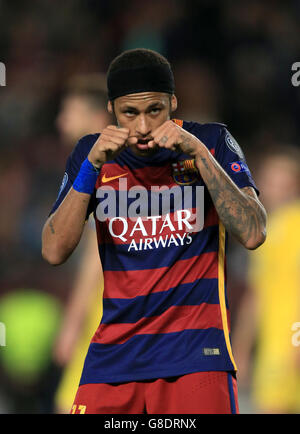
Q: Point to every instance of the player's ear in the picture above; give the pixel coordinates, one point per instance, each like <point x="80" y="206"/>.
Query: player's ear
<point x="110" y="107"/>
<point x="173" y="103"/>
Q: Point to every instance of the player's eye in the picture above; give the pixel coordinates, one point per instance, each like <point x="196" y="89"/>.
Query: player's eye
<point x="129" y="113"/>
<point x="155" y="111"/>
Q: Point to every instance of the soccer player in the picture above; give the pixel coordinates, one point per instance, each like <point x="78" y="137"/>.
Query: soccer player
<point x="164" y="193"/>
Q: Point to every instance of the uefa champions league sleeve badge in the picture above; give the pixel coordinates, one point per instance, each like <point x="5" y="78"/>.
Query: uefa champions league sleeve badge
<point x="185" y="172"/>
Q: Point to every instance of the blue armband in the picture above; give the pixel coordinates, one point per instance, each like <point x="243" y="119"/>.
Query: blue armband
<point x="86" y="178"/>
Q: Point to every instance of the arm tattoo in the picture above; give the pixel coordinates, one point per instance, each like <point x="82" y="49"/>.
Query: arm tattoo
<point x="240" y="211"/>
<point x="51" y="227"/>
<point x="186" y="145"/>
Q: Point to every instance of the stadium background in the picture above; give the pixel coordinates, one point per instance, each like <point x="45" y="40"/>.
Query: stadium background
<point x="232" y="63"/>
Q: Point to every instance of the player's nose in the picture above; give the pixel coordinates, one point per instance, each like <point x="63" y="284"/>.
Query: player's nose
<point x="143" y="127"/>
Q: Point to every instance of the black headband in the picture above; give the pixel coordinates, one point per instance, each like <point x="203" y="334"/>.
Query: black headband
<point x="156" y="78"/>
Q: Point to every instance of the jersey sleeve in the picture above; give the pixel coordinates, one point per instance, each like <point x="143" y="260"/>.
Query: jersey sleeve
<point x="78" y="155"/>
<point x="230" y="156"/>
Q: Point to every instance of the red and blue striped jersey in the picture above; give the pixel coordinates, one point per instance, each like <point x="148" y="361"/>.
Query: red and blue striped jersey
<point x="165" y="308"/>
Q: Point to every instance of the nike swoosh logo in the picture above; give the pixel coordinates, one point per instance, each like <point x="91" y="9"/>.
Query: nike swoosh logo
<point x="111" y="178"/>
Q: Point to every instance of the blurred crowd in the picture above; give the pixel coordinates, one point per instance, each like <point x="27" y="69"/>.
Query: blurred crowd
<point x="232" y="64"/>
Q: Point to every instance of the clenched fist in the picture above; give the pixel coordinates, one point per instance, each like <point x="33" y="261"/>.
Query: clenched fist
<point x="110" y="143"/>
<point x="171" y="136"/>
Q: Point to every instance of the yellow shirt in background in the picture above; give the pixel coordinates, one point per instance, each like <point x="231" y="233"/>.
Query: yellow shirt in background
<point x="275" y="276"/>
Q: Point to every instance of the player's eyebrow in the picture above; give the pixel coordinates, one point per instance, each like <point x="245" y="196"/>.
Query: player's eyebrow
<point x="128" y="106"/>
<point x="157" y="104"/>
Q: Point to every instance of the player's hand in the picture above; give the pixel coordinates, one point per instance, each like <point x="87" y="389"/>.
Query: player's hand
<point x="111" y="142"/>
<point x="171" y="136"/>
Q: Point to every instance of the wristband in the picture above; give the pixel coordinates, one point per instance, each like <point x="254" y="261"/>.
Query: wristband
<point x="86" y="178"/>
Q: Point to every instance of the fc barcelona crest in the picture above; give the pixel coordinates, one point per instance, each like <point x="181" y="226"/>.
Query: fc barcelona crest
<point x="185" y="172"/>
